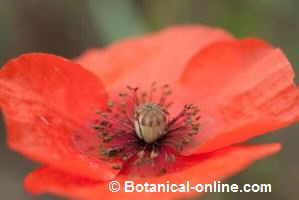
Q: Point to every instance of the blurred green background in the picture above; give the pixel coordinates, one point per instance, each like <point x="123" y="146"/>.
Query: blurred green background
<point x="68" y="27"/>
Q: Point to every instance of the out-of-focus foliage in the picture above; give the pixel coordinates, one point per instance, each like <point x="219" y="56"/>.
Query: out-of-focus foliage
<point x="68" y="27"/>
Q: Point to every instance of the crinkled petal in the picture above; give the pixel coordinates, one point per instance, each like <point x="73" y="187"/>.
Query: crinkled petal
<point x="244" y="88"/>
<point x="157" y="57"/>
<point x="46" y="100"/>
<point x="216" y="166"/>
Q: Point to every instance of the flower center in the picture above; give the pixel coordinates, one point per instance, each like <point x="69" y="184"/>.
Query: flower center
<point x="150" y="122"/>
<point x="138" y="129"/>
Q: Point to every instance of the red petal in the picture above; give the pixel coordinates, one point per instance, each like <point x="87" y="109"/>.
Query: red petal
<point x="222" y="164"/>
<point x="45" y="100"/>
<point x="245" y="88"/>
<point x="157" y="57"/>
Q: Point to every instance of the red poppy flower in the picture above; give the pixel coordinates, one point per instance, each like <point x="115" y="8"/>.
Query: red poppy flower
<point x="174" y="105"/>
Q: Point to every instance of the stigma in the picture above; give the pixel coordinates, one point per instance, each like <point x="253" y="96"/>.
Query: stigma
<point x="150" y="122"/>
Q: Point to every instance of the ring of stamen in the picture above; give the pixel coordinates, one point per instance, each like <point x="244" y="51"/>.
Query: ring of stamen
<point x="139" y="127"/>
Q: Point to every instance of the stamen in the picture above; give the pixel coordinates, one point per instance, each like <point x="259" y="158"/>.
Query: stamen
<point x="139" y="130"/>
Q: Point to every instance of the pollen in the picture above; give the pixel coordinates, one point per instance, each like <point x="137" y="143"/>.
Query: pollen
<point x="138" y="129"/>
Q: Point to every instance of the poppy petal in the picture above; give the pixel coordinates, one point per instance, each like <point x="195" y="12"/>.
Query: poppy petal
<point x="45" y="99"/>
<point x="157" y="57"/>
<point x="222" y="164"/>
<point x="245" y="88"/>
